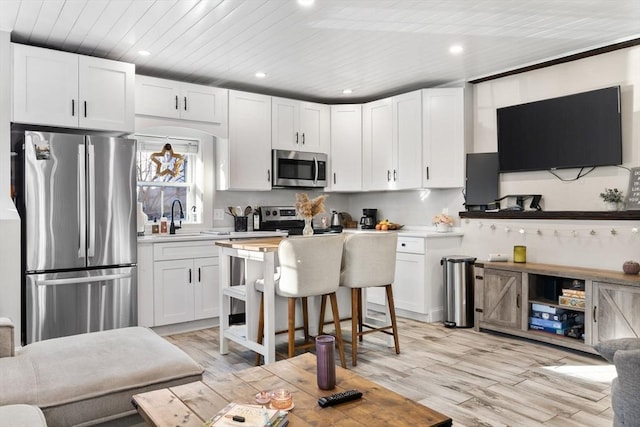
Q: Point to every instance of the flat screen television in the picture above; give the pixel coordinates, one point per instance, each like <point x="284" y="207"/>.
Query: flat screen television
<point x="573" y="131"/>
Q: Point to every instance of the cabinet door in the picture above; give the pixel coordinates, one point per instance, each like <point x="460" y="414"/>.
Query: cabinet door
<point x="106" y="94"/>
<point x="285" y="127"/>
<point x="407" y="140"/>
<point x="502" y="298"/>
<point x="206" y="288"/>
<point x="409" y="283"/>
<point x="314" y="127"/>
<point x="377" y="148"/>
<point x="443" y="137"/>
<point x="615" y="312"/>
<point x="173" y="291"/>
<point x="346" y="148"/>
<point x="203" y="103"/>
<point x="45" y="86"/>
<point x="157" y="97"/>
<point x="249" y="148"/>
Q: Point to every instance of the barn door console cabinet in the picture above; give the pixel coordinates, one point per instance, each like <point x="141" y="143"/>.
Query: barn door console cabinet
<point x="523" y="298"/>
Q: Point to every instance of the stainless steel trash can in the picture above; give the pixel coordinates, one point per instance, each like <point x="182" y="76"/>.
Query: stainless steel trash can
<point x="458" y="276"/>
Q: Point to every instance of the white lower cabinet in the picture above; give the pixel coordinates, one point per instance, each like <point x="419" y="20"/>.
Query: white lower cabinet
<point x="182" y="284"/>
<point x="418" y="289"/>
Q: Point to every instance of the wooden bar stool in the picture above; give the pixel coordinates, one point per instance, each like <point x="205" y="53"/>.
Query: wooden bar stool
<point x="309" y="266"/>
<point x="369" y="260"/>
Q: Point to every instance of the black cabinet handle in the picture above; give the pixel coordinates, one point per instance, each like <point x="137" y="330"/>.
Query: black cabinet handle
<point x="177" y="102"/>
<point x="334" y="177"/>
<point x="85" y="108"/>
<point x="199" y="275"/>
<point x="403" y="244"/>
<point x="268" y="175"/>
<point x="388" y="175"/>
<point x="427" y="172"/>
<point x="296" y="137"/>
<point x="518" y="301"/>
<point x="595" y="308"/>
<point x="73" y="107"/>
<point x="189" y="275"/>
<point x="185" y="103"/>
<point x="302" y="138"/>
<point x="480" y="277"/>
<point x="395" y="175"/>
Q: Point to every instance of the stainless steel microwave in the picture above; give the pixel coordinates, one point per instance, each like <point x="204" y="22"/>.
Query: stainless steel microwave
<point x="298" y="169"/>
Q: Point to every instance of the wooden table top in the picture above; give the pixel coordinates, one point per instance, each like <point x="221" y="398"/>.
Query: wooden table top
<point x="192" y="404"/>
<point x="267" y="244"/>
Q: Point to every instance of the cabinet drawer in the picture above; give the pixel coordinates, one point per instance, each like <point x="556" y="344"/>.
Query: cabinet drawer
<point x="184" y="250"/>
<point x="414" y="245"/>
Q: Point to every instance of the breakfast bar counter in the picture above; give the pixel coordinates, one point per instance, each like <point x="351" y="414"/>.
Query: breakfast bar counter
<point x="260" y="259"/>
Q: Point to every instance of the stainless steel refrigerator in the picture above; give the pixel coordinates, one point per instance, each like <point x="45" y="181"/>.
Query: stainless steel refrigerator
<point x="76" y="197"/>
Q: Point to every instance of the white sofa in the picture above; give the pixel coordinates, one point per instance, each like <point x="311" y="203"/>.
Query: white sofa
<point x="89" y="379"/>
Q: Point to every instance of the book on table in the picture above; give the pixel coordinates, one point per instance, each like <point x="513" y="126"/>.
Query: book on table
<point x="245" y="415"/>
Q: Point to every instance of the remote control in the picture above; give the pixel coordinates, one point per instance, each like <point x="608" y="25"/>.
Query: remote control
<point x="334" y="399"/>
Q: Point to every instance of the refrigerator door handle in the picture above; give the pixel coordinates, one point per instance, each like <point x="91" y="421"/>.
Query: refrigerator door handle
<point x="92" y="279"/>
<point x="91" y="229"/>
<point x="82" y="201"/>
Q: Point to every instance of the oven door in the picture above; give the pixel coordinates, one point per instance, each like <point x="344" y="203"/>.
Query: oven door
<point x="298" y="169"/>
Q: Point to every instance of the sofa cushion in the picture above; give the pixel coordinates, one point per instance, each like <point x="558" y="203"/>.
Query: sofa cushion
<point x="607" y="349"/>
<point x="78" y="379"/>
<point x="21" y="416"/>
<point x="113" y="360"/>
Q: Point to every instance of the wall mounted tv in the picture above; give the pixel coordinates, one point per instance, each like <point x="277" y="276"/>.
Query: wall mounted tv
<point x="573" y="131"/>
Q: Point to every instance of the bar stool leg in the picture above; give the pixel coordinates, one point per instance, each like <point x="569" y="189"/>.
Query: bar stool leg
<point x="323" y="308"/>
<point x="354" y="326"/>
<point x="292" y="326"/>
<point x="336" y="322"/>
<point x="360" y="315"/>
<point x="392" y="313"/>
<point x="305" y="319"/>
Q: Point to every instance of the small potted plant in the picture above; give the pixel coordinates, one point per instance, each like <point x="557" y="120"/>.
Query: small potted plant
<point x="443" y="223"/>
<point x="612" y="198"/>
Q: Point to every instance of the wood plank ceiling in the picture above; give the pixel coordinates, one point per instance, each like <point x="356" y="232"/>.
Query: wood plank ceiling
<point x="374" y="47"/>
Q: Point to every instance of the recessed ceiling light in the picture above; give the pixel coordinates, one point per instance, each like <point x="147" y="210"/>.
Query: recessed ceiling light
<point x="347" y="91"/>
<point x="261" y="75"/>
<point x="305" y="3"/>
<point x="144" y="53"/>
<point x="456" y="49"/>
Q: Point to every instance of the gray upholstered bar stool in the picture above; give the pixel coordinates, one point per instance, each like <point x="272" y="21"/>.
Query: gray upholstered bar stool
<point x="309" y="266"/>
<point x="369" y="260"/>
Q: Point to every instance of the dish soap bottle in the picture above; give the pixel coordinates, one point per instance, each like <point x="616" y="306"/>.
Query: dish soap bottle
<point x="163" y="225"/>
<point x="142" y="219"/>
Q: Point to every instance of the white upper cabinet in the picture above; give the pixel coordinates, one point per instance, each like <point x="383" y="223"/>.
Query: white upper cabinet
<point x="63" y="89"/>
<point x="392" y="143"/>
<point x="300" y="126"/>
<point x="346" y="148"/>
<point x="443" y="137"/>
<point x="407" y="140"/>
<point x="244" y="159"/>
<point x="178" y="100"/>
<point x="377" y="147"/>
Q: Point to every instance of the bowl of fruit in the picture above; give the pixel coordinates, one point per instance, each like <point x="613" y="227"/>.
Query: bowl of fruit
<point x="386" y="225"/>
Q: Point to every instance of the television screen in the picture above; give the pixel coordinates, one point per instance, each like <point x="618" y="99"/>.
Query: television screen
<point x="571" y="131"/>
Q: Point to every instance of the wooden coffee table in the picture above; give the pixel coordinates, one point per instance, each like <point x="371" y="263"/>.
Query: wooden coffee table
<point x="192" y="404"/>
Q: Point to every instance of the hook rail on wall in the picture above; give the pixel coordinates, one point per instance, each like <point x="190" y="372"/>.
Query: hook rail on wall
<point x="560" y="231"/>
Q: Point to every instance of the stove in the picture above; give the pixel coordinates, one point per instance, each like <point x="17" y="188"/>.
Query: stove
<point x="273" y="218"/>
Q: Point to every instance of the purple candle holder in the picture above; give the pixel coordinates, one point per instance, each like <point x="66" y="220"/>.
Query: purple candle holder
<point x="325" y="361"/>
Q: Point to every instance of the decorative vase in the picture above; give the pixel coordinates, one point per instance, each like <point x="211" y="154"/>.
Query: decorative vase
<point x="612" y="206"/>
<point x="308" y="229"/>
<point x="443" y="228"/>
<point x="325" y="362"/>
<point x="631" y="267"/>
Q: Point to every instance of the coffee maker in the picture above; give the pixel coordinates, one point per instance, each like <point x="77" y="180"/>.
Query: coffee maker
<point x="369" y="219"/>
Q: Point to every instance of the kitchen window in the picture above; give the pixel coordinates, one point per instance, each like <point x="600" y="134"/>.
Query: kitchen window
<point x="173" y="175"/>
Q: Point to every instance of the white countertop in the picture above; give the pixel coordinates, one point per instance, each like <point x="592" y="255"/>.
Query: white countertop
<point x="414" y="231"/>
<point x="206" y="235"/>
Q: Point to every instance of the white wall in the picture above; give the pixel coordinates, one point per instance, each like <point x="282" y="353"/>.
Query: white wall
<point x="9" y="219"/>
<point x="576" y="243"/>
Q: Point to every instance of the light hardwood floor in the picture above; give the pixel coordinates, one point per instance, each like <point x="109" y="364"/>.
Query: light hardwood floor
<point x="478" y="379"/>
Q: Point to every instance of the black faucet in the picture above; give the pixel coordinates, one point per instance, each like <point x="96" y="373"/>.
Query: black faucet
<point x="172" y="226"/>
